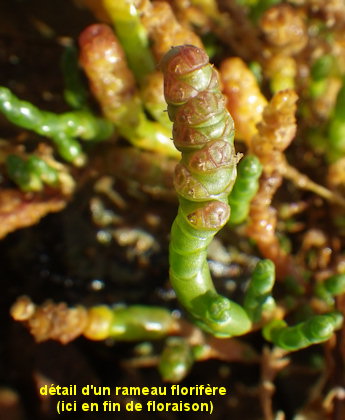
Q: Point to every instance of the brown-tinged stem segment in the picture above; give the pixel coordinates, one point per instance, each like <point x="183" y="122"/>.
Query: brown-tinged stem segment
<point x="113" y="84"/>
<point x="203" y="132"/>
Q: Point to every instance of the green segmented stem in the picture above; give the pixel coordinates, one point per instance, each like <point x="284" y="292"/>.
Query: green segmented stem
<point x="41" y="168"/>
<point x="19" y="173"/>
<point x="317" y="329"/>
<point x="30" y="174"/>
<point x="258" y="299"/>
<point x="132" y="35"/>
<point x="203" y="132"/>
<point x="333" y="286"/>
<point x="113" y="84"/>
<point x="140" y="323"/>
<point x="129" y="323"/>
<point x="176" y="360"/>
<point x="75" y="93"/>
<point x="246" y="186"/>
<point x="61" y="129"/>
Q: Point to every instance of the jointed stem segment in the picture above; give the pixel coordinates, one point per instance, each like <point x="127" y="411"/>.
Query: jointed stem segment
<point x="62" y="129"/>
<point x="317" y="329"/>
<point x="203" y="132"/>
<point x="246" y="186"/>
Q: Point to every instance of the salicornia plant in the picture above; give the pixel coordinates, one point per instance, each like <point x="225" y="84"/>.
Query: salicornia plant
<point x="203" y="131"/>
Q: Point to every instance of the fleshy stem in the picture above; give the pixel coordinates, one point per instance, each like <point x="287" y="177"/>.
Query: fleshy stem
<point x="258" y="299"/>
<point x="176" y="359"/>
<point x="317" y="329"/>
<point x="61" y="129"/>
<point x="31" y="174"/>
<point x="132" y="36"/>
<point x="111" y="81"/>
<point x="128" y="323"/>
<point x="246" y="186"/>
<point x="203" y="131"/>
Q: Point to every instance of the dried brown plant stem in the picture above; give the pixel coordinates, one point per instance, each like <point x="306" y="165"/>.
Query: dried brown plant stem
<point x="51" y="321"/>
<point x="305" y="183"/>
<point x="272" y="362"/>
<point x="20" y="209"/>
